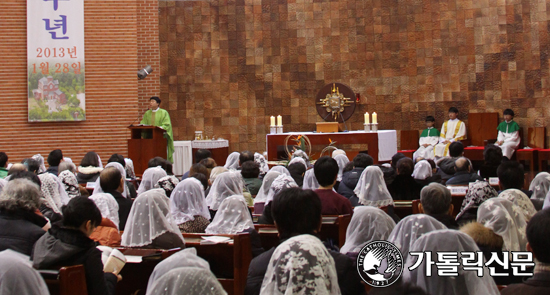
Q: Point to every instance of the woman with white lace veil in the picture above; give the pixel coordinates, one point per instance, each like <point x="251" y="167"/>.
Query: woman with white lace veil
<point x="466" y="283"/>
<point x="310" y="181"/>
<point x="301" y="154"/>
<point x="342" y="160"/>
<point x="232" y="217"/>
<point x="150" y="177"/>
<point x="107" y="205"/>
<point x="371" y="189"/>
<point x="478" y="192"/>
<point x="17" y="276"/>
<point x="232" y="161"/>
<point x="506" y="220"/>
<point x="279" y="183"/>
<point x="261" y="197"/>
<point x="98" y="189"/>
<point x="187" y="280"/>
<point x="337" y="152"/>
<point x="150" y="224"/>
<point x="50" y="193"/>
<point x="262" y="163"/>
<point x="521" y="200"/>
<point x="168" y="184"/>
<point x="410" y="228"/>
<point x="367" y="224"/>
<point x="226" y="184"/>
<point x="130" y="168"/>
<point x="40" y="159"/>
<point x="540" y="185"/>
<point x="280" y="169"/>
<point x="188" y="206"/>
<point x="422" y="170"/>
<point x="187" y="262"/>
<point x="301" y="265"/>
<point x="297" y="160"/>
<point x="70" y="184"/>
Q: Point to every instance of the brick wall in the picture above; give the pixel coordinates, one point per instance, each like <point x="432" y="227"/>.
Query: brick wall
<point x="112" y="90"/>
<point x="148" y="51"/>
<point x="229" y="65"/>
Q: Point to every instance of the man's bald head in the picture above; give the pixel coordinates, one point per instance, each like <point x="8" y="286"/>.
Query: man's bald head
<point x="18" y="167"/>
<point x="462" y="164"/>
<point x="110" y="179"/>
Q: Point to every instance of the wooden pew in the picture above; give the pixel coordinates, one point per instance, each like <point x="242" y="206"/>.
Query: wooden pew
<point x="402" y="208"/>
<point x="333" y="227"/>
<point x="228" y="261"/>
<point x="458" y="193"/>
<point x="67" y="280"/>
<point x="135" y="276"/>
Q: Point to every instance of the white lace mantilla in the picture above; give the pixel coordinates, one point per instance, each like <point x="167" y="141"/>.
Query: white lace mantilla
<point x="209" y="144"/>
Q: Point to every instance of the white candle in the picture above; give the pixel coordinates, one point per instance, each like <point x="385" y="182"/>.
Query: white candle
<point x="272" y="121"/>
<point x="374" y="118"/>
<point x="279" y="120"/>
<point x="367" y="120"/>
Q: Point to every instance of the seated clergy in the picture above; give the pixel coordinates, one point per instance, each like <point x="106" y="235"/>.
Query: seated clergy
<point x="451" y="131"/>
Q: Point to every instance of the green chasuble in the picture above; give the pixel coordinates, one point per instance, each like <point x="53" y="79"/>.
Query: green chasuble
<point x="162" y="119"/>
<point x="430" y="132"/>
<point x="508" y="127"/>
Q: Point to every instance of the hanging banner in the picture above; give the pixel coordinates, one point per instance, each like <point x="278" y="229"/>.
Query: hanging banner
<point x="55" y="56"/>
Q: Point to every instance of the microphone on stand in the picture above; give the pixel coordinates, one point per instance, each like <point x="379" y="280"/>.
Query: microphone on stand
<point x="139" y="116"/>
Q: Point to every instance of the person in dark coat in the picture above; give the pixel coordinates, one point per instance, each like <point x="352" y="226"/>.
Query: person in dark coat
<point x="463" y="174"/>
<point x="54" y="158"/>
<point x="538" y="238"/>
<point x="250" y="172"/>
<point x="89" y="169"/>
<point x="404" y="187"/>
<point x="20" y="225"/>
<point x="351" y="178"/>
<point x="112" y="183"/>
<point x="447" y="164"/>
<point x="298" y="212"/>
<point x="492" y="157"/>
<point x="436" y="201"/>
<point x="68" y="243"/>
<point x="512" y="175"/>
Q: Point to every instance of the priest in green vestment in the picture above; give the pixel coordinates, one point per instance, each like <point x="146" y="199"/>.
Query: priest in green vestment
<point x="160" y="117"/>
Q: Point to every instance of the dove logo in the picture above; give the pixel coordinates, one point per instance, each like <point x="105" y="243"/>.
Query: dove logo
<point x="380" y="263"/>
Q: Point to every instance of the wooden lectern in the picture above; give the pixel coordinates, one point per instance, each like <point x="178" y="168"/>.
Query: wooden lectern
<point x="327" y="127"/>
<point x="145" y="143"/>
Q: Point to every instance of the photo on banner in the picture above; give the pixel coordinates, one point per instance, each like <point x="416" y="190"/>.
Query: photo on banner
<point x="55" y="59"/>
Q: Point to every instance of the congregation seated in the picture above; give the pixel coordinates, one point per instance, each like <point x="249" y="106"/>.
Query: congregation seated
<point x="297" y="214"/>
<point x="250" y="172"/>
<point x="436" y="201"/>
<point x="492" y="157"/>
<point x="188" y="206"/>
<point x="310" y="182"/>
<point x="112" y="183"/>
<point x="478" y="192"/>
<point x="106" y="233"/>
<point x="326" y="172"/>
<point x="452" y="241"/>
<point x="521" y="200"/>
<point x="500" y="227"/>
<point x="17" y="277"/>
<point x="129" y="185"/>
<point x="263" y="192"/>
<point x="342" y="160"/>
<point x="279" y="183"/>
<point x="226" y="184"/>
<point x="54" y="158"/>
<point x="423" y="174"/>
<point x="297" y="172"/>
<point x="367" y="224"/>
<point x="351" y="178"/>
<point x="68" y="243"/>
<point x="391" y="172"/>
<point x="168" y="184"/>
<point x="52" y="194"/>
<point x="540" y="185"/>
<point x="33" y="165"/>
<point x="463" y="173"/>
<point x="70" y="183"/>
<point x="213" y="175"/>
<point x="17" y="167"/>
<point x="371" y="190"/>
<point x="20" y="225"/>
<point x="447" y="164"/>
<point x="158" y="230"/>
<point x="232" y="161"/>
<point x="404" y="186"/>
<point x="89" y="168"/>
<point x="200" y="155"/>
<point x="183" y="273"/>
<point x="538" y="234"/>
<point x="232" y="218"/>
<point x="150" y="177"/>
<point x="512" y="176"/>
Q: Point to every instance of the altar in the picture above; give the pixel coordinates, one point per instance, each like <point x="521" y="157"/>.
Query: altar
<point x="381" y="145"/>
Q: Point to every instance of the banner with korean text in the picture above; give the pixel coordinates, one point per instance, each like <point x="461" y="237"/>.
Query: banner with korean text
<point x="55" y="56"/>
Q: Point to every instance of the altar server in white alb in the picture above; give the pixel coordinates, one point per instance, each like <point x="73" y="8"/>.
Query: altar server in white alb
<point x="451" y="131"/>
<point x="508" y="134"/>
<point x="428" y="139"/>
